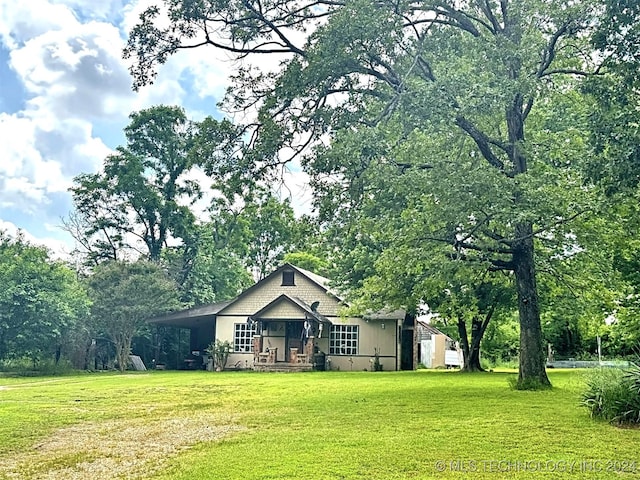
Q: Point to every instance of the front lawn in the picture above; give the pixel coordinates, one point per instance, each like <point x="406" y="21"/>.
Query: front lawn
<point x="333" y="425"/>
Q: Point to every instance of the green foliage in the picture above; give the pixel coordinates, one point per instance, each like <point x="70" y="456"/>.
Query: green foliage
<point x="124" y="296"/>
<point x="615" y="121"/>
<point x="258" y="232"/>
<point x="220" y="351"/>
<point x="271" y="226"/>
<point x="308" y="261"/>
<point x="142" y="197"/>
<point x="501" y="341"/>
<point x="614" y="395"/>
<point x="208" y="268"/>
<point x="41" y="301"/>
<point x="416" y="113"/>
<point x="23" y="367"/>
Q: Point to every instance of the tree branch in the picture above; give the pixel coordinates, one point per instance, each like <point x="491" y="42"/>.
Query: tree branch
<point x="274" y="29"/>
<point x="482" y="141"/>
<point x="550" y="51"/>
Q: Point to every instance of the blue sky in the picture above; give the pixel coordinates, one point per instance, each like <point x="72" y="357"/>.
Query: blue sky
<point x="65" y="96"/>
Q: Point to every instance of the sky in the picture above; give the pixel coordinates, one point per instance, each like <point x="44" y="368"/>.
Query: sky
<point x="65" y="97"/>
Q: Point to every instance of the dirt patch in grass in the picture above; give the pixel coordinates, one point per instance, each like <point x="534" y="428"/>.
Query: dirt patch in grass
<point x="130" y="449"/>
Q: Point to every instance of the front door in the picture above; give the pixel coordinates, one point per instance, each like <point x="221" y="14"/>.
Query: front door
<point x="294" y="333"/>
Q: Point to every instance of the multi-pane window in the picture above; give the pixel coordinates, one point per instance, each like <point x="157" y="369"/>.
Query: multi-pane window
<point x="243" y="337"/>
<point x="343" y="340"/>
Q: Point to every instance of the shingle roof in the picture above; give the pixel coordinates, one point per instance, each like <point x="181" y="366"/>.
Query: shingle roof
<point x="190" y="316"/>
<point x="430" y="328"/>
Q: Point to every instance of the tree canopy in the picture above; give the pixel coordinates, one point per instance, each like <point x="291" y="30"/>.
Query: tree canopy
<point x="142" y="199"/>
<point x="41" y="301"/>
<point x="452" y="91"/>
<point x="124" y="296"/>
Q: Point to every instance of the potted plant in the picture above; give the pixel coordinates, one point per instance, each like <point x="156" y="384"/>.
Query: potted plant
<point x="377" y="366"/>
<point x="219" y="352"/>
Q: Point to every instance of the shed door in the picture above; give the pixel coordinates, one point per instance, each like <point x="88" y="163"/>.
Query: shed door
<point x="425" y="352"/>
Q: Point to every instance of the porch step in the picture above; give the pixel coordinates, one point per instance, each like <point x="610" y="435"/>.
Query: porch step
<point x="283" y="367"/>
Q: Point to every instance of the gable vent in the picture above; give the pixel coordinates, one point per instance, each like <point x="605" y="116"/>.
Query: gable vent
<point x="288" y="278"/>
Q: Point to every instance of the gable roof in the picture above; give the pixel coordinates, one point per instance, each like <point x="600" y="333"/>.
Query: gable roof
<point x="193" y="316"/>
<point x="320" y="281"/>
<point x="430" y="329"/>
<point x="307" y="309"/>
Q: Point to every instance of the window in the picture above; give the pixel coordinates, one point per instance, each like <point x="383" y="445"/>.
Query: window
<point x="288" y="278"/>
<point x="343" y="340"/>
<point x="243" y="337"/>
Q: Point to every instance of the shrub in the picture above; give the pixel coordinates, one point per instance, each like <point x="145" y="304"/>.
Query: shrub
<point x="23" y="367"/>
<point x="613" y="395"/>
<point x="219" y="351"/>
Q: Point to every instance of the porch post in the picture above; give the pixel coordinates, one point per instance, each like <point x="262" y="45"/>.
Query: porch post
<point x="309" y="348"/>
<point x="257" y="347"/>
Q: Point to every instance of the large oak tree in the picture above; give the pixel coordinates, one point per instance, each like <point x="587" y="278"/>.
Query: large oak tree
<point x="467" y="72"/>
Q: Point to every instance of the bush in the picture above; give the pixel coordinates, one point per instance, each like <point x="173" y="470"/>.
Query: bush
<point x="613" y="395"/>
<point x="219" y="351"/>
<point x="23" y="367"/>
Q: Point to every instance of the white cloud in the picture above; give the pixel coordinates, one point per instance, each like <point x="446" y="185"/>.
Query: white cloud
<point x="67" y="55"/>
<point x="24" y="173"/>
<point x="21" y="21"/>
<point x="75" y="72"/>
<point x="58" y="248"/>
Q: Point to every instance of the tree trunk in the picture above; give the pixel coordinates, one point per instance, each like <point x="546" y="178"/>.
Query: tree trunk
<point x="464" y="343"/>
<point x="471" y="350"/>
<point x="532" y="373"/>
<point x="474" y="354"/>
<point x="123" y="349"/>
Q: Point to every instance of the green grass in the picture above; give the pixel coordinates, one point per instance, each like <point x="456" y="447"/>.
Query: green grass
<point x="333" y="425"/>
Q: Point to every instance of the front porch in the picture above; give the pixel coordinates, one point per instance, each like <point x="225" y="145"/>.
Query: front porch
<point x="304" y="358"/>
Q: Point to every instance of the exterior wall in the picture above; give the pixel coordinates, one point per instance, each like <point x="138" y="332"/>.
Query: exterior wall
<point x="262" y="295"/>
<point x="225" y="327"/>
<point x="272" y="288"/>
<point x="371" y="336"/>
<point x="439" y="346"/>
<point x="283" y="309"/>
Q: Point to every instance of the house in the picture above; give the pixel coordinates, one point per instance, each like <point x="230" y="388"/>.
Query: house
<point x="291" y="321"/>
<point x="434" y="349"/>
